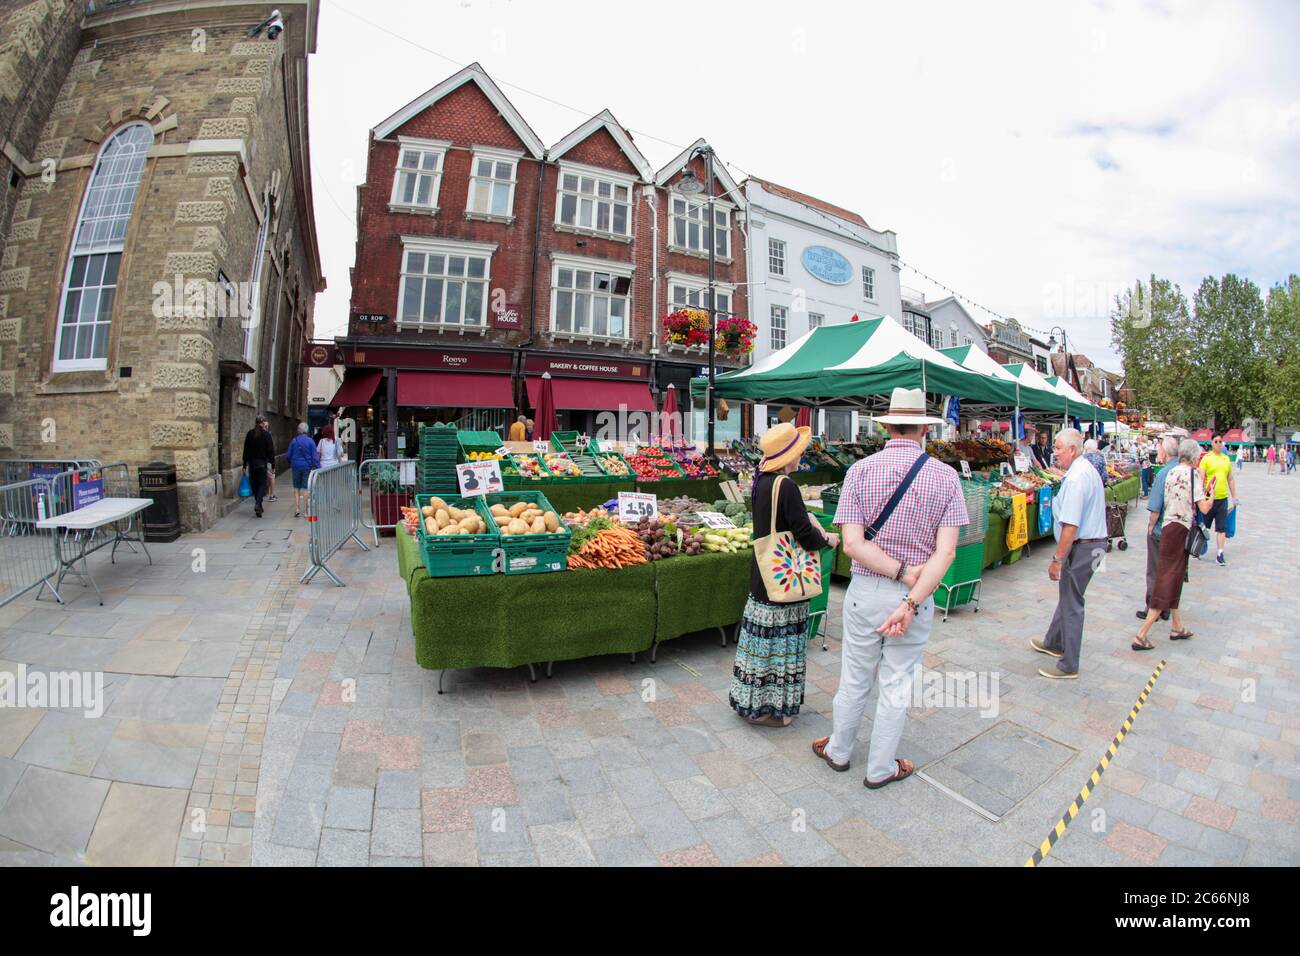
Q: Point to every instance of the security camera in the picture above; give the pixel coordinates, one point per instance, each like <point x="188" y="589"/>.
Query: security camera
<point x="273" y="25"/>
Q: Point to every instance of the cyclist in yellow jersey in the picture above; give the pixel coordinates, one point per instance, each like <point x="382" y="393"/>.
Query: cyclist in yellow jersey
<point x="1215" y="464"/>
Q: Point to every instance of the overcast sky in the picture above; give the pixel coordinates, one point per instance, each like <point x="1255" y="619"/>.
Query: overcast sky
<point x="1035" y="157"/>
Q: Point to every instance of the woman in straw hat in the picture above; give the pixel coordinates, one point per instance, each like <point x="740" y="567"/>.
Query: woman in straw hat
<point x="767" y="682"/>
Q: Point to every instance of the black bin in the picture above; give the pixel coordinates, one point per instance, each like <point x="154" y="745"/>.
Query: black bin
<point x="162" y="519"/>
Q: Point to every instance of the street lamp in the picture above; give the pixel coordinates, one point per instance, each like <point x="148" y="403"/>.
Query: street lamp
<point x="690" y="185"/>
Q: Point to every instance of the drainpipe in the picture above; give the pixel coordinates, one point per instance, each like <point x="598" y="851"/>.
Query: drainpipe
<point x="648" y="193"/>
<point x="537" y="241"/>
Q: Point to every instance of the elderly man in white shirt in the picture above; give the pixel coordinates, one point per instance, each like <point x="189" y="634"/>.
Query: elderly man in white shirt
<point x="1079" y="523"/>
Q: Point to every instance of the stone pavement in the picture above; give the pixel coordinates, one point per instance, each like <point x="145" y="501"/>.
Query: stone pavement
<point x="251" y="719"/>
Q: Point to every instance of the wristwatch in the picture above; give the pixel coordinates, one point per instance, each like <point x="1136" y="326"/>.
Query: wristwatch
<point x="1056" y="560"/>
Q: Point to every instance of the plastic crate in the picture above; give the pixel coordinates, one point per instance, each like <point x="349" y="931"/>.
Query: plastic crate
<point x="605" y="470"/>
<point x="564" y="441"/>
<point x="961" y="582"/>
<point x="977" y="508"/>
<point x="461" y="555"/>
<point x="546" y="479"/>
<point x="672" y="475"/>
<point x="531" y="553"/>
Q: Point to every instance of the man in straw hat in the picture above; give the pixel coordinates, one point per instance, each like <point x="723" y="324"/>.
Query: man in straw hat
<point x="900" y="555"/>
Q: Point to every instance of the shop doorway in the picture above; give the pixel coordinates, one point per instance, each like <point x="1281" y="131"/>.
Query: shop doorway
<point x="225" y="401"/>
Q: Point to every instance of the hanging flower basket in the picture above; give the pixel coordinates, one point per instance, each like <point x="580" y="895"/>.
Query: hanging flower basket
<point x="687" y="327"/>
<point x="736" y="336"/>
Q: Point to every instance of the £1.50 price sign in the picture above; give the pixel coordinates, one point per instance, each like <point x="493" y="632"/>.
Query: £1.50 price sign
<point x="635" y="505"/>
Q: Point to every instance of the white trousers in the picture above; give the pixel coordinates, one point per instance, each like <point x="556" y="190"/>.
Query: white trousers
<point x="866" y="654"/>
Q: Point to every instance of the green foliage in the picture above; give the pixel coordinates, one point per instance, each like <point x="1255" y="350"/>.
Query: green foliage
<point x="1281" y="348"/>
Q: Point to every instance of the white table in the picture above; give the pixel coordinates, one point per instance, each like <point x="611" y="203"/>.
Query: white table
<point x="84" y="524"/>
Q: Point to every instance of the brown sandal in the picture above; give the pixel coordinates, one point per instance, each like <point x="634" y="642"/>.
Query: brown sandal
<point x="769" y="721"/>
<point x="905" y="769"/>
<point x="1180" y="635"/>
<point x="819" y="748"/>
<point x="1143" y="647"/>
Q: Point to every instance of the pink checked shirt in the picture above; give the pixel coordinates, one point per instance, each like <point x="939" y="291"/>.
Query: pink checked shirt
<point x="933" y="501"/>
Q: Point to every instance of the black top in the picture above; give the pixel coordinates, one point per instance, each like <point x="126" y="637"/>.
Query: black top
<point x="258" y="446"/>
<point x="791" y="515"/>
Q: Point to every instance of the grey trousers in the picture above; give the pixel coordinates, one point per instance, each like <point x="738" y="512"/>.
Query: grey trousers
<point x="1065" y="633"/>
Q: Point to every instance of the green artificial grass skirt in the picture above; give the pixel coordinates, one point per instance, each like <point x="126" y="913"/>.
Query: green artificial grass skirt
<point x="698" y="592"/>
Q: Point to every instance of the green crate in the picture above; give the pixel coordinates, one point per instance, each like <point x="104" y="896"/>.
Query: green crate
<point x="546" y="479"/>
<point x="948" y="598"/>
<point x="615" y="455"/>
<point x="531" y="553"/>
<point x="564" y="441"/>
<point x="667" y="476"/>
<point x="461" y="555"/>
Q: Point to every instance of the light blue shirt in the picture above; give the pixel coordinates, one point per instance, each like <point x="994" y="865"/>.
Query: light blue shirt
<point x="1156" y="499"/>
<point x="1081" y="501"/>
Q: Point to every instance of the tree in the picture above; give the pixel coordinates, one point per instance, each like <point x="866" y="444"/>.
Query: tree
<point x="1228" y="371"/>
<point x="1281" y="352"/>
<point x="1150" y="327"/>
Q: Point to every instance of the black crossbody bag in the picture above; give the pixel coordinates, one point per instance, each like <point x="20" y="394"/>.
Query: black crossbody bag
<point x="873" y="529"/>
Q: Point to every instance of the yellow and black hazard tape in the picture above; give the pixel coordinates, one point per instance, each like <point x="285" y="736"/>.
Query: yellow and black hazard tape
<point x="1073" y="810"/>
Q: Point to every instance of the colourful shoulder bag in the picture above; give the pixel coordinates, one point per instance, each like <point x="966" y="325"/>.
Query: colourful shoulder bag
<point x="790" y="573"/>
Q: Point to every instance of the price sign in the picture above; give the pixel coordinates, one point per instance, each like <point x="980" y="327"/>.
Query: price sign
<point x="1022" y="463"/>
<point x="502" y="451"/>
<point x="715" y="519"/>
<point x="630" y="448"/>
<point x="479" y="477"/>
<point x="541" y="447"/>
<point x="635" y="505"/>
<point x="965" y="469"/>
<point x="731" y="491"/>
<point x="1004" y="469"/>
<point x="583" y="441"/>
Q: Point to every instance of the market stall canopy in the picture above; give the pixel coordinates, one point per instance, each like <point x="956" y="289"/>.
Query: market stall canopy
<point x="1234" y="436"/>
<point x="1029" y="397"/>
<point x="589" y="394"/>
<point x="1201" y="434"/>
<point x="1062" y="387"/>
<point x="1075" y="403"/>
<point x="858" y="363"/>
<point x="357" y="389"/>
<point x="454" y="390"/>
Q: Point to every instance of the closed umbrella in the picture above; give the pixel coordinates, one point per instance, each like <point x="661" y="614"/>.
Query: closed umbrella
<point x="670" y="424"/>
<point x="545" y="422"/>
<point x="804" y="418"/>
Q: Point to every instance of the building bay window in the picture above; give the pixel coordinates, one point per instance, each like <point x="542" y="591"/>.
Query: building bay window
<point x="492" y="186"/>
<point x="590" y="302"/>
<point x="444" y="284"/>
<point x="594" y="203"/>
<point x="419" y="175"/>
<point x="689" y="228"/>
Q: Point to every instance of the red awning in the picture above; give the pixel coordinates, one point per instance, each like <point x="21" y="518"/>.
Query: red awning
<point x="454" y="390"/>
<point x="1201" y="434"/>
<point x="590" y="394"/>
<point x="1234" y="436"/>
<point x="357" y="389"/>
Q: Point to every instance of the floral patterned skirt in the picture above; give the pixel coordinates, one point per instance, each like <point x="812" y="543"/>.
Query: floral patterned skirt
<point x="768" y="676"/>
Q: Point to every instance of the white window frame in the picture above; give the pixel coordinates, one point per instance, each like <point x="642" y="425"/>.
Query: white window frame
<point x="776" y="257"/>
<point x="478" y="182"/>
<point x="106" y="248"/>
<point x="446" y="248"/>
<point x="433" y="147"/>
<point x="693" y="285"/>
<point x="820" y="320"/>
<point x="624" y="270"/>
<point x="252" y="307"/>
<point x="600" y="177"/>
<point x="869" y="283"/>
<point x="701" y="205"/>
<point x="783" y="313"/>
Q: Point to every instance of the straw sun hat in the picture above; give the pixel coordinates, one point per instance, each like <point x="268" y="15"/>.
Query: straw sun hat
<point x="782" y="444"/>
<point x="907" y="407"/>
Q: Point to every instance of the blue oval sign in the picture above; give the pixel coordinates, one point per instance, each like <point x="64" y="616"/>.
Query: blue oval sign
<point x="827" y="264"/>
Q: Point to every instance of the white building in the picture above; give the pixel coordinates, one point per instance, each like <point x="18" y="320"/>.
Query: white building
<point x="810" y="264"/>
<point x="952" y="325"/>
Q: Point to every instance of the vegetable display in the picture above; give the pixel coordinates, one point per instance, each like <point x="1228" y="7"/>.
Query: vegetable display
<point x="651" y="464"/>
<point x="728" y="540"/>
<point x="524" y="518"/>
<point x="613" y="466"/>
<point x="610" y="547"/>
<point x="441" y="518"/>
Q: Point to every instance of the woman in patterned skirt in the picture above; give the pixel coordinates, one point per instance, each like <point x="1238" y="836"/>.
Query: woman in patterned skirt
<point x="767" y="681"/>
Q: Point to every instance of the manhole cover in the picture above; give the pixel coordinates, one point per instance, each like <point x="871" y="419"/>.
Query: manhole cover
<point x="998" y="769"/>
<point x="273" y="534"/>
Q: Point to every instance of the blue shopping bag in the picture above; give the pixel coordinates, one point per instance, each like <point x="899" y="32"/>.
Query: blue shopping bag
<point x="1231" y="530"/>
<point x="245" y="489"/>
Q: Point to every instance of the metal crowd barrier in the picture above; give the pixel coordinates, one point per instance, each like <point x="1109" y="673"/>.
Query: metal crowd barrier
<point x="333" y="515"/>
<point x="403" y="469"/>
<point x="27" y="553"/>
<point x="13" y="470"/>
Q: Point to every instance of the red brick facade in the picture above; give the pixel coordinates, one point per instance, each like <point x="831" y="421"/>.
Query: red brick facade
<point x="521" y="267"/>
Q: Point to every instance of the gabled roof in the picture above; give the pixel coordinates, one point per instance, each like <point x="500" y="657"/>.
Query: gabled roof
<point x="939" y="303"/>
<point x="605" y="119"/>
<point x="795" y="196"/>
<point x="733" y="192"/>
<point x="471" y="74"/>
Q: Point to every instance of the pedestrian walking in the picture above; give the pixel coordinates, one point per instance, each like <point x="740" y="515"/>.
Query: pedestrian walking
<point x="1215" y="464"/>
<point x="1271" y="455"/>
<point x="899" y="512"/>
<point x="767" y="682"/>
<point x="327" y="449"/>
<point x="1079" y="524"/>
<point x="259" y="458"/>
<point x="1185" y="493"/>
<point x="1166" y="455"/>
<point x="303" y="457"/>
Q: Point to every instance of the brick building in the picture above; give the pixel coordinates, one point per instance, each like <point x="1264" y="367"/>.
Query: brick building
<point x="485" y="259"/>
<point x="159" y="251"/>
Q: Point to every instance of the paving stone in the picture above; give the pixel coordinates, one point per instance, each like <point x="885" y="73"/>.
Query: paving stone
<point x="862" y="844"/>
<point x="298" y="824"/>
<point x="544" y="805"/>
<point x="622" y="851"/>
<point x="698" y="798"/>
<point x="638" y="787"/>
<point x="319" y="748"/>
<point x="53" y="811"/>
<point x="500" y="830"/>
<point x="398" y="790"/>
<point x="582" y="776"/>
<point x="349" y="808"/>
<point x="561" y="844"/>
<point x="137" y="826"/>
<point x="602" y="815"/>
<point x="455" y="848"/>
<point x="821" y="810"/>
<point x="756" y="803"/>
<point x="68" y="742"/>
<point x="344" y="848"/>
<point x="396" y="833"/>
<point x="731" y="838"/>
<point x="797" y="847"/>
<point x="665" y="827"/>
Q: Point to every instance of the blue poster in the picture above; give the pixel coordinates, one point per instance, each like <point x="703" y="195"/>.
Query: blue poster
<point x="1044" y="510"/>
<point x="87" y="492"/>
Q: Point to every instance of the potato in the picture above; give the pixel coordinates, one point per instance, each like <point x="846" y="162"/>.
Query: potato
<point x="538" y="526"/>
<point x="518" y="509"/>
<point x="427" y="511"/>
<point x="516" y="526"/>
<point x="430" y="526"/>
<point x="551" y="521"/>
<point x="502" y="520"/>
<point x="499" y="509"/>
<point x="435" y="503"/>
<point x="443" y="517"/>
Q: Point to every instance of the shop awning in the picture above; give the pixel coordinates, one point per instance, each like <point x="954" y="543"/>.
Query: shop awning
<point x="357" y="389"/>
<point x="454" y="390"/>
<point x="594" y="394"/>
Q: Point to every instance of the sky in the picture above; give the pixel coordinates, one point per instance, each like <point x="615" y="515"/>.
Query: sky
<point x="1036" y="158"/>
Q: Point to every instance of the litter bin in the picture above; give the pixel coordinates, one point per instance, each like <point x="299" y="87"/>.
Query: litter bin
<point x="162" y="519"/>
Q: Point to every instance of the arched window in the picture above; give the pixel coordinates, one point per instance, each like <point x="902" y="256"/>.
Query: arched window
<point x="90" y="284"/>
